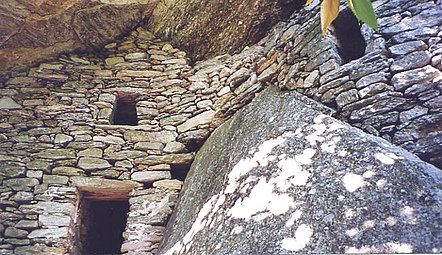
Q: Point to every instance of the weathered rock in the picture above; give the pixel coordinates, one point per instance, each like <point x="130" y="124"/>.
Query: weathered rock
<point x="150" y="176"/>
<point x="208" y="28"/>
<point x="8" y="103"/>
<point x="202" y="118"/>
<point x="87" y="163"/>
<point x="279" y="179"/>
<point x="405" y="79"/>
<point x="32" y="31"/>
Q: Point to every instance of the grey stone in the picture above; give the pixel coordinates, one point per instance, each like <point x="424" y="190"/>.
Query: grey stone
<point x="407" y="47"/>
<point x="150" y="176"/>
<point x="67" y="171"/>
<point x="121" y="155"/>
<point x="154" y="137"/>
<point x="88" y="163"/>
<point x="109" y="139"/>
<point x="62" y="138"/>
<point x="27" y="224"/>
<point x="174" y="147"/>
<point x="172" y="159"/>
<point x="414" y="112"/>
<point x="346" y="98"/>
<point x="19" y="184"/>
<point x="54" y="220"/>
<point x="11" y="169"/>
<point x="168" y="184"/>
<point x="8" y="103"/>
<point x="15" y="232"/>
<point x="279" y="173"/>
<point x="200" y="119"/>
<point x="56" y="154"/>
<point x="47" y="207"/>
<point x="22" y="196"/>
<point x="55" y="179"/>
<point x="92" y="152"/>
<point x="371" y="79"/>
<point x="49" y="233"/>
<point x="411" y="61"/>
<point x="403" y="80"/>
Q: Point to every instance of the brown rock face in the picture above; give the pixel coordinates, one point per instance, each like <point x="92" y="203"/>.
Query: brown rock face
<point x="30" y="30"/>
<point x="207" y="28"/>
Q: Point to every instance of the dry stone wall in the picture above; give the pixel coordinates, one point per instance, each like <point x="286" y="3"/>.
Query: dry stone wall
<point x="60" y="140"/>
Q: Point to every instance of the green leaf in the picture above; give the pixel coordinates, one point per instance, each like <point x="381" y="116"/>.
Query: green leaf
<point x="363" y="10"/>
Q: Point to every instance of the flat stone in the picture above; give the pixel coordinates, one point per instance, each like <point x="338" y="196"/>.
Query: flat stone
<point x="56" y="154"/>
<point x="139" y="74"/>
<point x="46" y="207"/>
<point x="15" y="232"/>
<point x="18" y="184"/>
<point x="54" y="220"/>
<point x="413" y="113"/>
<point x="148" y="146"/>
<point x="9" y="103"/>
<point x="174" y="120"/>
<point x="92" y="152"/>
<point x="200" y="119"/>
<point x="106" y="189"/>
<point x="114" y="60"/>
<point x="109" y="139"/>
<point x="49" y="233"/>
<point x="150" y="176"/>
<point x="62" y="138"/>
<point x="88" y="163"/>
<point x="135" y="56"/>
<point x="11" y="169"/>
<point x="27" y="224"/>
<point x="411" y="61"/>
<point x="172" y="159"/>
<point x="22" y="196"/>
<point x="267" y="74"/>
<point x="403" y="80"/>
<point x="121" y="155"/>
<point x="371" y="79"/>
<point x="347" y="97"/>
<point x="311" y="80"/>
<point x="146" y="136"/>
<point x="174" y="147"/>
<point x="407" y="47"/>
<point x="168" y="184"/>
<point x="67" y="171"/>
<point x="55" y="179"/>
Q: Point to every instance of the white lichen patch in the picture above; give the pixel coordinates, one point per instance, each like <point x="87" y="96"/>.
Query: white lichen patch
<point x="260" y="158"/>
<point x="295" y="216"/>
<point x="390" y="247"/>
<point x="353" y="182"/>
<point x="386" y="158"/>
<point x="409" y="215"/>
<point x="261" y="199"/>
<point x="300" y="241"/>
<point x="306" y="157"/>
<point x="352" y="232"/>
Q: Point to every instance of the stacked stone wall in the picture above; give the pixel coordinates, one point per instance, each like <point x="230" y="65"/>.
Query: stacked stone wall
<point x="58" y="139"/>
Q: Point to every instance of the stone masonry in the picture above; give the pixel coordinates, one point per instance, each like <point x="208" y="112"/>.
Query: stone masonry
<point x="59" y="140"/>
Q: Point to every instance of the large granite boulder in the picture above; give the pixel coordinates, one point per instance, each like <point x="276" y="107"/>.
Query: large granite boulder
<point x="207" y="28"/>
<point x="280" y="177"/>
<point x="33" y="30"/>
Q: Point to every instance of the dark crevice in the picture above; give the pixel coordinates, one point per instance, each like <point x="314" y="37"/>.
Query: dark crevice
<point x="349" y="41"/>
<point x="102" y="226"/>
<point x="125" y="112"/>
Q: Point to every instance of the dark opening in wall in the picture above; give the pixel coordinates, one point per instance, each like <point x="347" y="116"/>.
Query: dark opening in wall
<point x="349" y="40"/>
<point x="125" y="112"/>
<point x="102" y="226"/>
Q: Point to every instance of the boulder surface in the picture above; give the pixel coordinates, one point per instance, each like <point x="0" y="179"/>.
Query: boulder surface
<point x="280" y="177"/>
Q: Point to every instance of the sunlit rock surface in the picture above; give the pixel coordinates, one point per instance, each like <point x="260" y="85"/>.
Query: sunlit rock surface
<point x="322" y="186"/>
